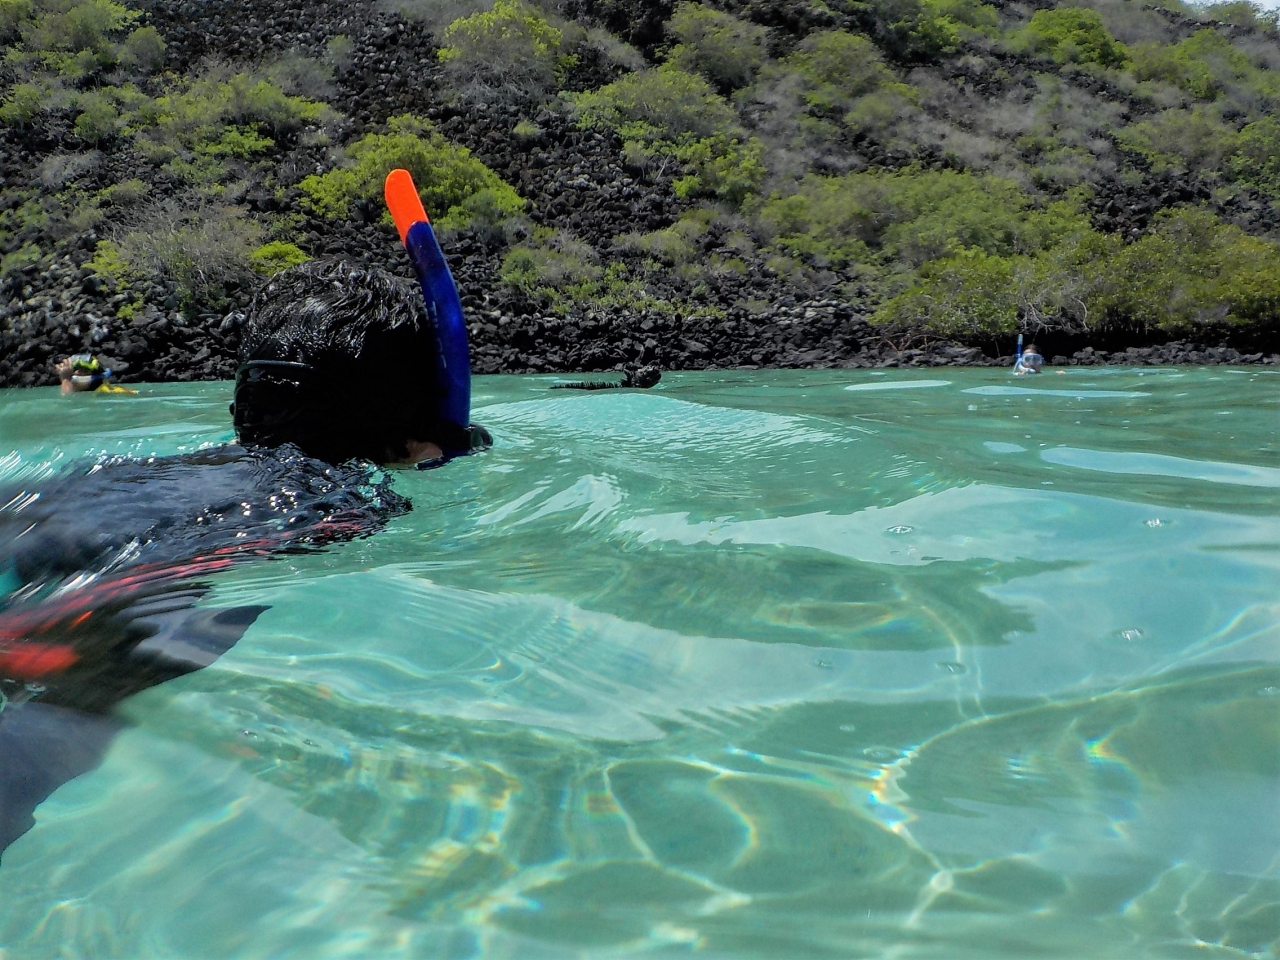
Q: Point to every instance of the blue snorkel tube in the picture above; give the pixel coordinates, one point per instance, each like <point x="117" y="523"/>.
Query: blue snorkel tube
<point x="453" y="357"/>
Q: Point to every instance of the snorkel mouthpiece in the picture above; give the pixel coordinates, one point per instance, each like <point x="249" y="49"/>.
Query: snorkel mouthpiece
<point x="443" y="305"/>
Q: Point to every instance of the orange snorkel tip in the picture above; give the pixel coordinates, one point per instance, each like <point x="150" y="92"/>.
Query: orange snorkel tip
<point x="403" y="202"/>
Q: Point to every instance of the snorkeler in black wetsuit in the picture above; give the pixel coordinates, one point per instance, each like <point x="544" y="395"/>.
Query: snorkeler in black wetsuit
<point x="100" y="569"/>
<point x="104" y="567"/>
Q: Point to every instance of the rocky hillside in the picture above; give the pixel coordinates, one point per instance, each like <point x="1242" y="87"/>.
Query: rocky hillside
<point x="738" y="183"/>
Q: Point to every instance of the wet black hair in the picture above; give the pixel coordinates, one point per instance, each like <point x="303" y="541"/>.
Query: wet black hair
<point x="339" y="359"/>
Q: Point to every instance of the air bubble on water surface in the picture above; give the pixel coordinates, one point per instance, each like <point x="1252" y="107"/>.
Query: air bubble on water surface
<point x="950" y="666"/>
<point x="882" y="754"/>
<point x="1154" y="522"/>
<point x="900" y="529"/>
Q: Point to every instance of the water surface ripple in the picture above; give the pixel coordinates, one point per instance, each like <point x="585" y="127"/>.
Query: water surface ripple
<point x="750" y="665"/>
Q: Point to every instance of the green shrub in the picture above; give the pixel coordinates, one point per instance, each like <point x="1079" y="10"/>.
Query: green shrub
<point x="1074" y="35"/>
<point x="143" y="50"/>
<point x="549" y="266"/>
<point x="238" y="143"/>
<point x="912" y="217"/>
<point x="510" y="53"/>
<point x="668" y="112"/>
<point x="1256" y="157"/>
<point x="201" y="249"/>
<point x="271" y="258"/>
<point x="845" y="84"/>
<point x="1182" y="140"/>
<point x="915" y="30"/>
<point x="27" y="255"/>
<point x="200" y="112"/>
<point x="300" y="76"/>
<point x="98" y="118"/>
<point x="973" y="14"/>
<point x="339" y="51"/>
<point x="837" y="68"/>
<point x="667" y="103"/>
<point x="975" y="295"/>
<point x="13" y="14"/>
<point x="676" y="244"/>
<point x="1191" y="271"/>
<point x="967" y="295"/>
<point x="80" y="25"/>
<point x="1203" y="65"/>
<point x="1242" y="13"/>
<point x="124" y="194"/>
<point x="108" y="262"/>
<point x="198" y="127"/>
<point x="727" y="51"/>
<point x="22" y="106"/>
<point x="456" y="188"/>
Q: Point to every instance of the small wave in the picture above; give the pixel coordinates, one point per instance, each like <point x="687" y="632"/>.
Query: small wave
<point x="898" y="385"/>
<point x="1000" y="391"/>
<point x="1160" y="465"/>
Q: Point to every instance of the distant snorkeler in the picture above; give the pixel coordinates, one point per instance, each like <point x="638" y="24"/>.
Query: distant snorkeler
<point x="101" y="567"/>
<point x="1028" y="362"/>
<point x="85" y="373"/>
<point x="638" y="378"/>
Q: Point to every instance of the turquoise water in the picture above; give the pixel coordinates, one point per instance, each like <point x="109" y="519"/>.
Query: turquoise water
<point x="775" y="664"/>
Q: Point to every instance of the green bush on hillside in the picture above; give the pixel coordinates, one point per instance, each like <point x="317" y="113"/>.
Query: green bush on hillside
<point x="1242" y="13"/>
<point x="14" y="13"/>
<point x="975" y="295"/>
<point x="912" y="217"/>
<point x="200" y="113"/>
<point x="671" y="245"/>
<point x="203" y="248"/>
<point x="727" y="51"/>
<point x="1074" y="35"/>
<point x="1191" y="271"/>
<point x="1193" y="140"/>
<point x="457" y="189"/>
<point x="271" y="258"/>
<point x="76" y="38"/>
<point x="98" y="118"/>
<point x="22" y="105"/>
<point x="1255" y="159"/>
<point x="845" y="84"/>
<point x="143" y="50"/>
<point x="924" y="30"/>
<point x="837" y="68"/>
<point x="550" y="268"/>
<point x="669" y="113"/>
<point x="1204" y="66"/>
<point x="510" y="53"/>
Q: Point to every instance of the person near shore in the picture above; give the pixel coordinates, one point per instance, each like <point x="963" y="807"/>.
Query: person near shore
<point x="85" y="373"/>
<point x="101" y="567"/>
<point x="1029" y="362"/>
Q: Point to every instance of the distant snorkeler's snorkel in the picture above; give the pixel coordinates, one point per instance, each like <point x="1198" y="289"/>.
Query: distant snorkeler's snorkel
<point x="1017" y="360"/>
<point x="453" y="364"/>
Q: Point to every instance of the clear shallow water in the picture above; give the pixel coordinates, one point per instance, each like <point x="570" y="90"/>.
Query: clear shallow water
<point x="750" y="665"/>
